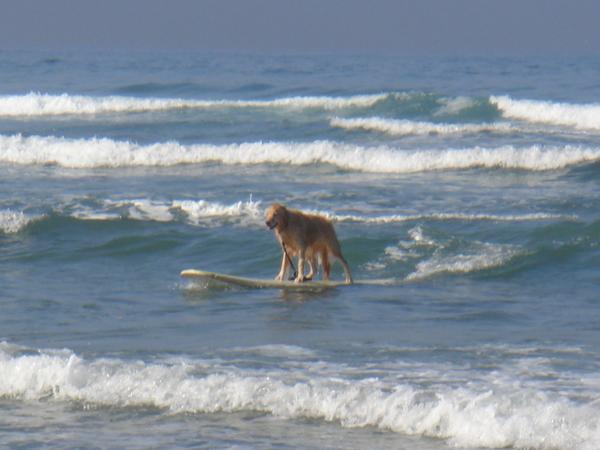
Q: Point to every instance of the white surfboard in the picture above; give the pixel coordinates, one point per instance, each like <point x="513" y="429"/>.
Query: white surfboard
<point x="261" y="283"/>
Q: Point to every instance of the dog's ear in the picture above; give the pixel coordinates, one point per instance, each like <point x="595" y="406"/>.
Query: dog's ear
<point x="284" y="216"/>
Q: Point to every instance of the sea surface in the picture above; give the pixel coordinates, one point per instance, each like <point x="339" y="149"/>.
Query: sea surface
<point x="472" y="183"/>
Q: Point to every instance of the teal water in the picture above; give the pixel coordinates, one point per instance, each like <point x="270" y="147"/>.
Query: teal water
<point x="473" y="183"/>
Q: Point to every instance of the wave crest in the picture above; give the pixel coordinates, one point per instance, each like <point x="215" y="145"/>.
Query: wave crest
<point x="37" y="104"/>
<point x="584" y="117"/>
<point x="480" y="256"/>
<point x="349" y="396"/>
<point x="407" y="127"/>
<point x="107" y="153"/>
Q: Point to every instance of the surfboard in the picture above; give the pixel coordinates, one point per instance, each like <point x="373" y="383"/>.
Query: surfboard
<point x="262" y="283"/>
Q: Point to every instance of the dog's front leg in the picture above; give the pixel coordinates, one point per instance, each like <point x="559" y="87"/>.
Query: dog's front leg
<point x="283" y="270"/>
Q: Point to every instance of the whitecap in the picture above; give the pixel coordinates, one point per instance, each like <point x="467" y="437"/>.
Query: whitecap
<point x="478" y="256"/>
<point x="107" y="153"/>
<point x="443" y="216"/>
<point x="13" y="221"/>
<point x="37" y="104"/>
<point x="579" y="116"/>
<point x="396" y="127"/>
<point x="512" y="413"/>
<point x="201" y="211"/>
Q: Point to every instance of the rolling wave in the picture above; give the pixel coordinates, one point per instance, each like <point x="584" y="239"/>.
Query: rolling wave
<point x="444" y="216"/>
<point x="38" y="105"/>
<point x="477" y="257"/>
<point x="579" y="116"/>
<point x="429" y="257"/>
<point x="213" y="213"/>
<point x="194" y="212"/>
<point x="107" y="153"/>
<point x="440" y="405"/>
<point x="396" y="127"/>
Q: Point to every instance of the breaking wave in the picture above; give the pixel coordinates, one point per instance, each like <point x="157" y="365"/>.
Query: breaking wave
<point x="196" y="212"/>
<point x="408" y="127"/>
<point x="395" y="218"/>
<point x="107" y="153"/>
<point x="247" y="212"/>
<point x="13" y="221"/>
<point x="513" y="411"/>
<point x="201" y="210"/>
<point x="579" y="116"/>
<point x="250" y="212"/>
<point x="479" y="256"/>
<point x="36" y="104"/>
<point x="431" y="257"/>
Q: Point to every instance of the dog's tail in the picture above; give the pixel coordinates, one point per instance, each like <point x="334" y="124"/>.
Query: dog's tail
<point x="346" y="269"/>
<point x="336" y="251"/>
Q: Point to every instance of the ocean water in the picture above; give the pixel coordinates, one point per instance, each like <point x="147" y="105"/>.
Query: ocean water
<point x="473" y="183"/>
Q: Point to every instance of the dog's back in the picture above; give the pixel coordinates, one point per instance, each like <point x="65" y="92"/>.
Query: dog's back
<point x="321" y="239"/>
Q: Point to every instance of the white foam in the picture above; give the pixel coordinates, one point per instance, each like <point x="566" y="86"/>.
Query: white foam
<point x="250" y="213"/>
<point x="199" y="211"/>
<point x="455" y="105"/>
<point x="407" y="127"/>
<point x="419" y="238"/>
<point x="142" y="209"/>
<point x="195" y="211"/>
<point x="275" y="351"/>
<point x="579" y="116"/>
<point x="107" y="153"/>
<point x="399" y="218"/>
<point x="37" y="104"/>
<point x="479" y="256"/>
<point x="13" y="221"/>
<point x="493" y="410"/>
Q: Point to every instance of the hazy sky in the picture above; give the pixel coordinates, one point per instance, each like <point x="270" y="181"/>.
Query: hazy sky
<point x="399" y="26"/>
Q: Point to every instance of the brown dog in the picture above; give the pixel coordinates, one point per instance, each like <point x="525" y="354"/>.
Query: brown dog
<point x="306" y="236"/>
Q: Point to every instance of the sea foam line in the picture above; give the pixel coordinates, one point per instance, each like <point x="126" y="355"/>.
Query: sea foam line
<point x="441" y="216"/>
<point x="579" y="116"/>
<point x="512" y="414"/>
<point x="250" y="212"/>
<point x="197" y="212"/>
<point x="397" y="127"/>
<point x="37" y="104"/>
<point x="107" y="153"/>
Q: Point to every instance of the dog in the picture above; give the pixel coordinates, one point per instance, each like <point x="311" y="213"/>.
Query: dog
<point x="306" y="236"/>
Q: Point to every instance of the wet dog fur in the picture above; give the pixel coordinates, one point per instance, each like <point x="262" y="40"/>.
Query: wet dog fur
<point x="308" y="237"/>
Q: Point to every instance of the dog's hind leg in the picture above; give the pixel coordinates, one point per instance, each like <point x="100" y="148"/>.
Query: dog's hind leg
<point x="325" y="265"/>
<point x="301" y="258"/>
<point x="312" y="265"/>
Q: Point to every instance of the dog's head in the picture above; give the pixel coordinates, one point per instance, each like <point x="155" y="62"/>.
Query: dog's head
<point x="276" y="216"/>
